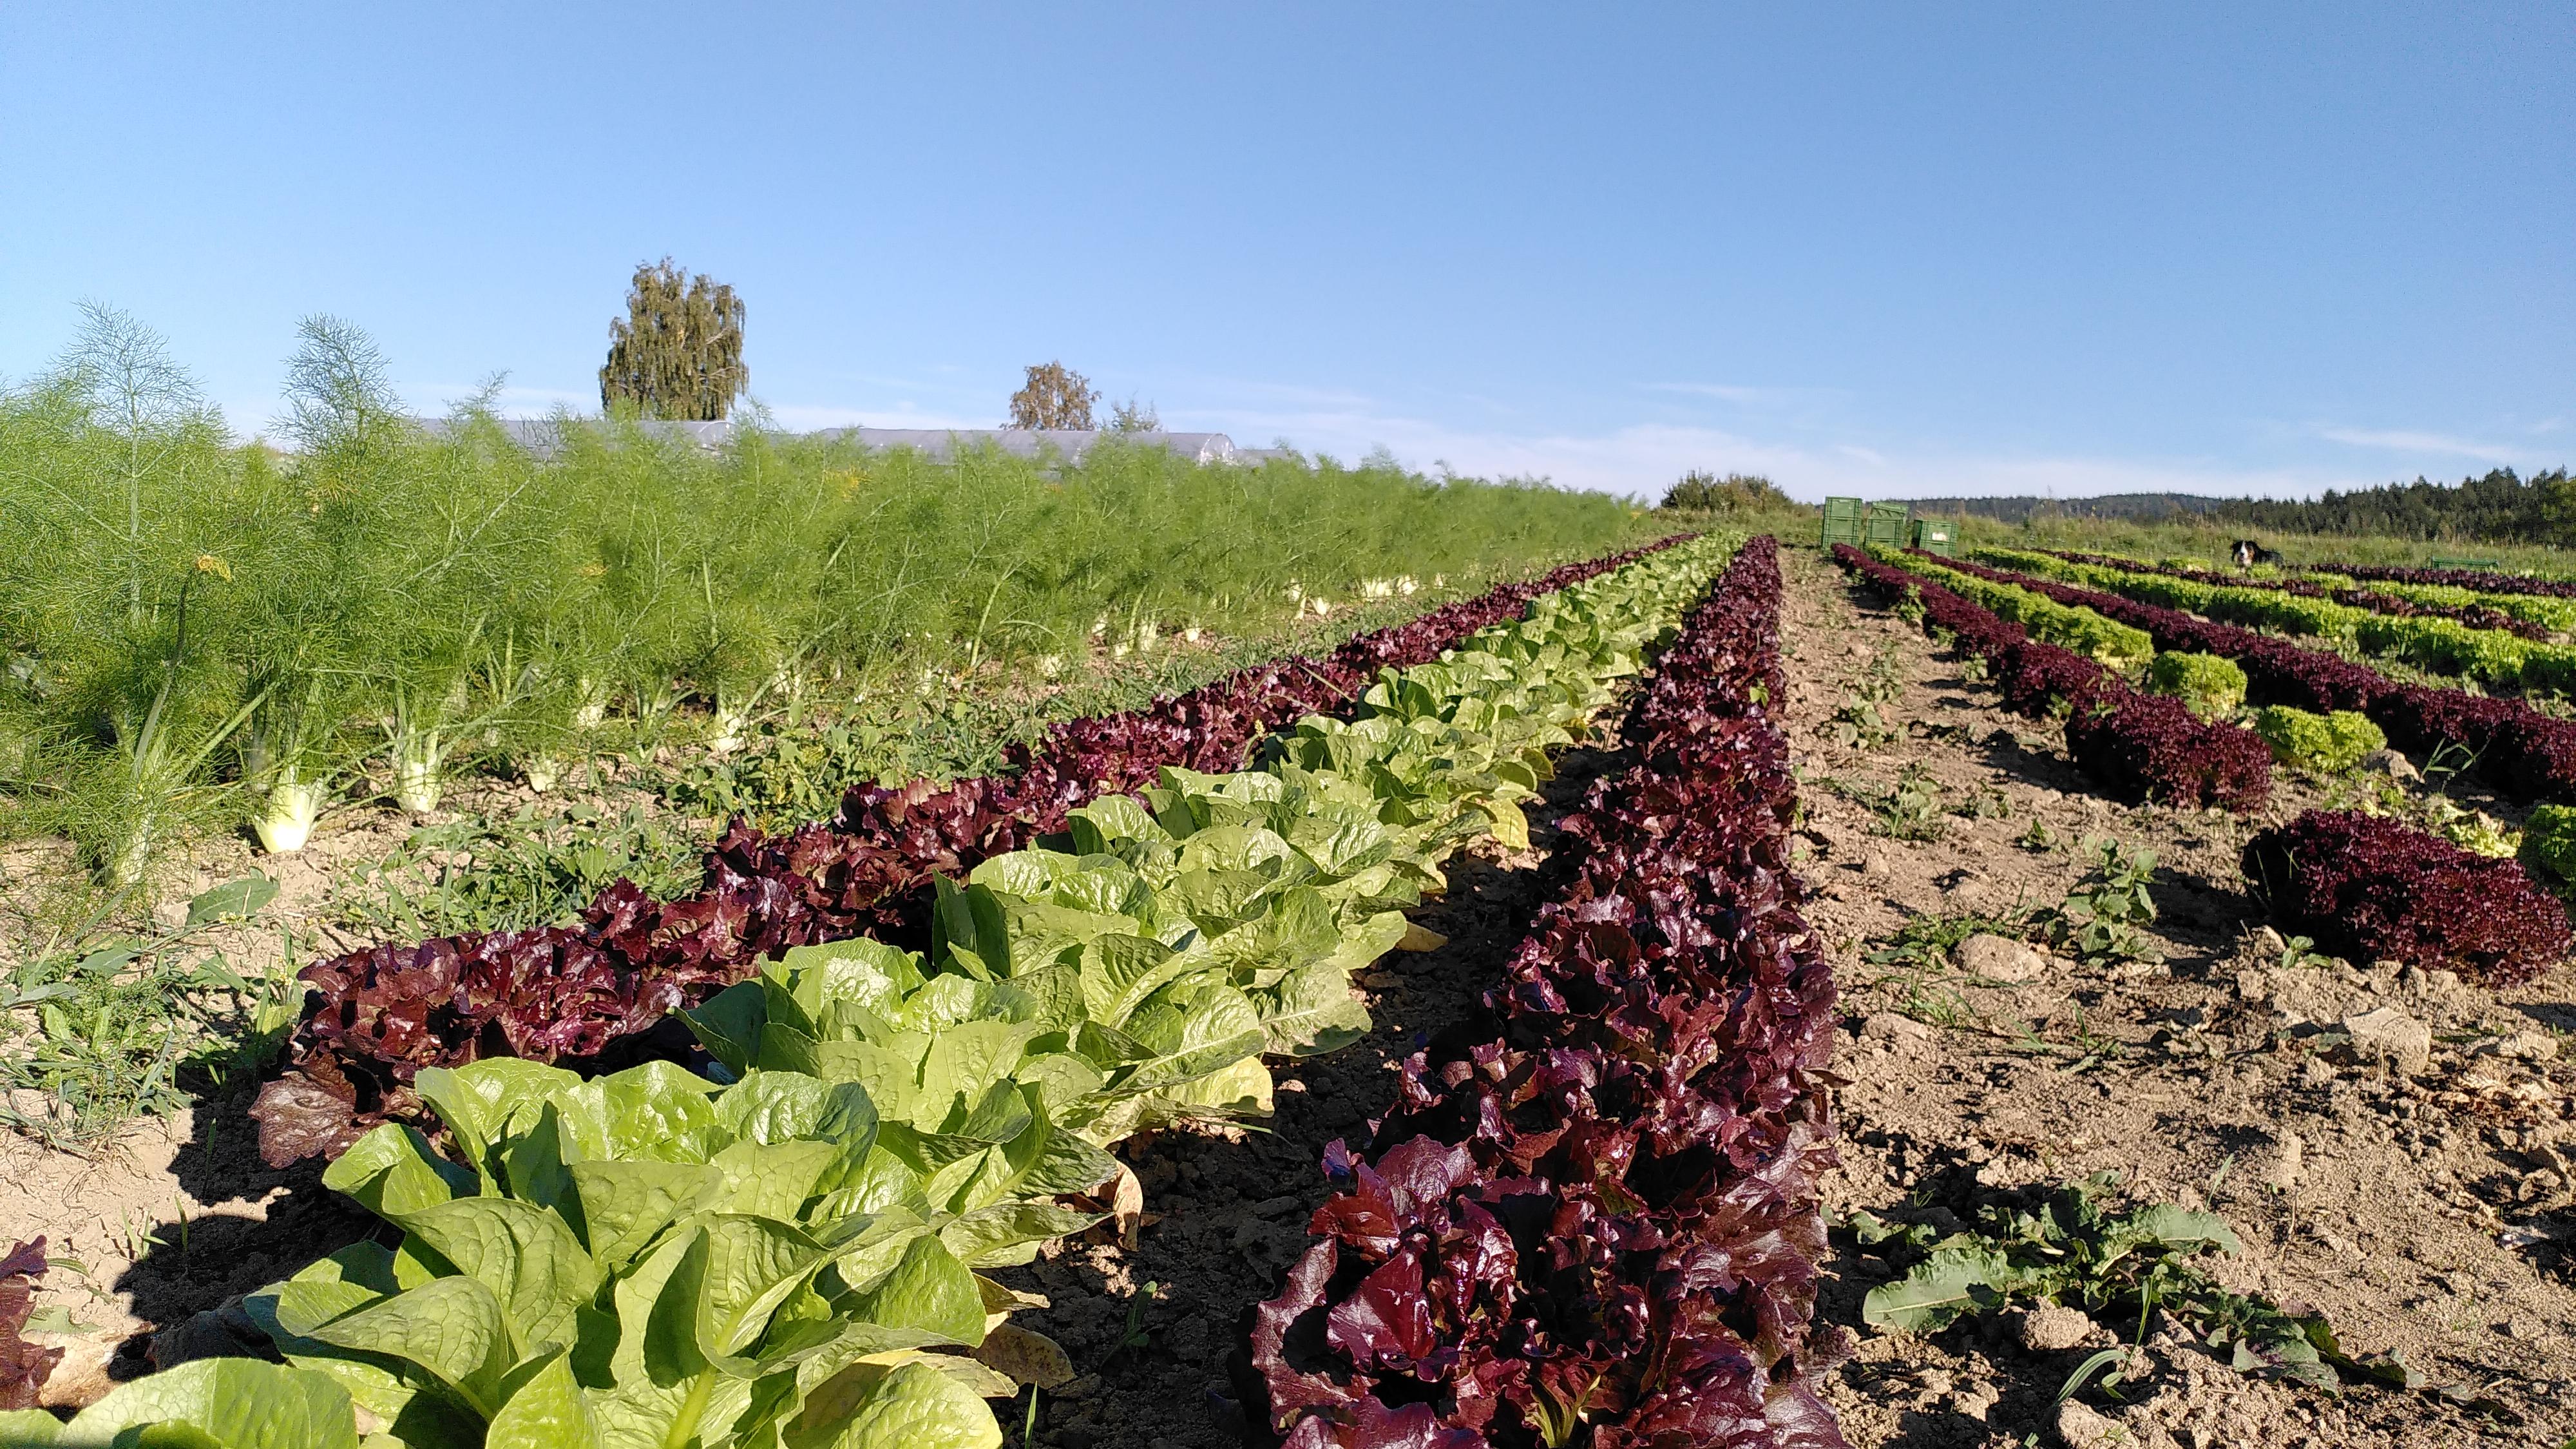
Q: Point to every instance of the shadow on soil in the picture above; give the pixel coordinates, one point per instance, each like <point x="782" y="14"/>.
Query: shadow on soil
<point x="198" y="1261"/>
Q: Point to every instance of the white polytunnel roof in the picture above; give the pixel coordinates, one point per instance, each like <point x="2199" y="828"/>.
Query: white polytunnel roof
<point x="544" y="438"/>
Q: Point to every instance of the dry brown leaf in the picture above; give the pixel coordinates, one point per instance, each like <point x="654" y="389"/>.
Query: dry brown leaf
<point x="1025" y="1356"/>
<point x="1127" y="1206"/>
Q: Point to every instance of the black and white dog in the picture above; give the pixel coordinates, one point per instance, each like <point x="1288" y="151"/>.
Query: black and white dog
<point x="2249" y="553"/>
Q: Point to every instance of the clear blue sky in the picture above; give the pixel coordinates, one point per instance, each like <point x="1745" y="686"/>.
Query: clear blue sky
<point x="1891" y="250"/>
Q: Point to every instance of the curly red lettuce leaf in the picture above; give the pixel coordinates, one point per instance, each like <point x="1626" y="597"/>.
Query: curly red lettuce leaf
<point x="2374" y="889"/>
<point x="23" y="1366"/>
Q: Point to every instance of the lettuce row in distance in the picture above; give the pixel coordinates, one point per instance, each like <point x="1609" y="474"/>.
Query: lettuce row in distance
<point x="1143" y="968"/>
<point x="2475" y="580"/>
<point x="2136" y="746"/>
<point x="2115" y="646"/>
<point x="375" y="1018"/>
<point x="2522" y="614"/>
<point x="2441" y="646"/>
<point x="1590" y="1216"/>
<point x="2523" y="752"/>
<point x="2371" y="888"/>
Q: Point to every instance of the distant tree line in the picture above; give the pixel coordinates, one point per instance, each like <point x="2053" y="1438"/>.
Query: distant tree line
<point x="2501" y="507"/>
<point x="2021" y="508"/>
<point x="2498" y="508"/>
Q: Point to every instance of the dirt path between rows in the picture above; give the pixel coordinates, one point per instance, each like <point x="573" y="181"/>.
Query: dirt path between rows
<point x="2417" y="1212"/>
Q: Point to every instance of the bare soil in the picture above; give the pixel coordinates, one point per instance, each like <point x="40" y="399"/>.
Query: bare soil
<point x="2424" y="1213"/>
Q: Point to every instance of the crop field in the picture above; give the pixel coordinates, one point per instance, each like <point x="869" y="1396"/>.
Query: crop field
<point x="1188" y="956"/>
<point x="410" y="681"/>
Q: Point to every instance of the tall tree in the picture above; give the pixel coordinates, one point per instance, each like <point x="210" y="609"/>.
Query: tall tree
<point x="1054" y="397"/>
<point x="1734" y="493"/>
<point x="677" y="353"/>
<point x="1133" y="417"/>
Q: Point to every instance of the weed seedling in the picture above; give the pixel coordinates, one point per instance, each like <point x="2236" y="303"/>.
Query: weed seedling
<point x="1862" y="721"/>
<point x="1859" y="725"/>
<point x="2038" y="838"/>
<point x="1912" y="809"/>
<point x="1917" y="959"/>
<point x="2299" y="951"/>
<point x="1987" y="802"/>
<point x="2092" y="1048"/>
<point x="2123" y="1267"/>
<point x="2104" y="918"/>
<point x="1137" y="1338"/>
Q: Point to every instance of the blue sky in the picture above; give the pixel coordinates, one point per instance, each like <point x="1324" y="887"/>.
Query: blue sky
<point x="1897" y="250"/>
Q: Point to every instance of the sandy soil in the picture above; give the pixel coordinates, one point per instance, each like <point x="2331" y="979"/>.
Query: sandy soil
<point x="2421" y="1213"/>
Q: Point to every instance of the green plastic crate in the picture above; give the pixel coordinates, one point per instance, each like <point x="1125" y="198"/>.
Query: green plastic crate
<point x="1930" y="535"/>
<point x="1843" y="521"/>
<point x="1885" y="526"/>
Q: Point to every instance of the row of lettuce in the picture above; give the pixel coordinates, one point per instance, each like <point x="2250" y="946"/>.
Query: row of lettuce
<point x="792" y="1249"/>
<point x="2052" y="660"/>
<point x="2531" y="616"/>
<point x="2147" y="754"/>
<point x="1592" y="1207"/>
<point x="2365" y="886"/>
<point x="587" y="992"/>
<point x="2480" y="581"/>
<point x="2498" y="657"/>
<point x="2521" y="751"/>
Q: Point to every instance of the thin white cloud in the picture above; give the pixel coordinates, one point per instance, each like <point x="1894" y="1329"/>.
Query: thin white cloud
<point x="2402" y="440"/>
<point x="1643" y="459"/>
<point x="1330" y="399"/>
<point x="1765" y="399"/>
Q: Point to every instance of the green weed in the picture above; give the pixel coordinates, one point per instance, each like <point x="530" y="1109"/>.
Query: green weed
<point x="1862" y="720"/>
<point x="1986" y="802"/>
<point x="538" y="866"/>
<point x="109" y="1024"/>
<point x="1911" y="808"/>
<point x="2104" y="918"/>
<point x="1915" y="962"/>
<point x="2124" y="1267"/>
